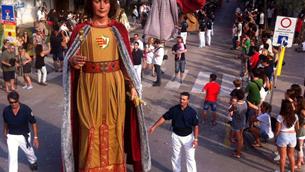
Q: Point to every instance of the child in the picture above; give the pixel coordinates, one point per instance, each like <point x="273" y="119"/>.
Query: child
<point x="262" y="125"/>
<point x="180" y="50"/>
<point x="212" y="90"/>
<point x="237" y="85"/>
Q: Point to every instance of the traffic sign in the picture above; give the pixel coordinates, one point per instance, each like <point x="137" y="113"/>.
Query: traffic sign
<point x="8" y="14"/>
<point x="284" y="31"/>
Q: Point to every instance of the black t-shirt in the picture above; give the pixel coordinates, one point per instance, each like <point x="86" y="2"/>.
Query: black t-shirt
<point x="200" y="15"/>
<point x="39" y="63"/>
<point x="55" y="41"/>
<point x="19" y="124"/>
<point x="183" y="121"/>
<point x="209" y="24"/>
<point x="202" y="25"/>
<point x="137" y="56"/>
<point x="176" y="48"/>
<point x="184" y="26"/>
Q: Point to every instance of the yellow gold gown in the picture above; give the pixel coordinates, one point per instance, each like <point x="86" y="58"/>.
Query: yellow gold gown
<point x="101" y="107"/>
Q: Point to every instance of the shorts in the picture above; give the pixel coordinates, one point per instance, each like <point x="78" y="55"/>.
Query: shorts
<point x="180" y="66"/>
<point x="149" y="59"/>
<point x="27" y="68"/>
<point x="286" y="139"/>
<point x="208" y="104"/>
<point x="9" y="75"/>
<point x="263" y="134"/>
<point x="301" y="133"/>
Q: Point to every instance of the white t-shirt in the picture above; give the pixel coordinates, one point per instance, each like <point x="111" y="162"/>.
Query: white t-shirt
<point x="150" y="49"/>
<point x="240" y="29"/>
<point x="265" y="124"/>
<point x="262" y="18"/>
<point x="280" y="119"/>
<point x="158" y="56"/>
<point x="270" y="12"/>
<point x="41" y="15"/>
<point x="303" y="44"/>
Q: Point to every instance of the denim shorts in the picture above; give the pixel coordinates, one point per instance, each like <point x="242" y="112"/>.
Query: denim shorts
<point x="208" y="104"/>
<point x="286" y="139"/>
<point x="264" y="135"/>
<point x="179" y="66"/>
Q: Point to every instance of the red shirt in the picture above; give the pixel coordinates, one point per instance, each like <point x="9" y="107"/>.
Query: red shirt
<point x="212" y="90"/>
<point x="298" y="28"/>
<point x="254" y="60"/>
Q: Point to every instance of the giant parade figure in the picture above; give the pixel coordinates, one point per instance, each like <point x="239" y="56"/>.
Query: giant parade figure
<point x="103" y="119"/>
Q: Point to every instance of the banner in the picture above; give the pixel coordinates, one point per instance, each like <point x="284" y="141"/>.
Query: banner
<point x="9" y="32"/>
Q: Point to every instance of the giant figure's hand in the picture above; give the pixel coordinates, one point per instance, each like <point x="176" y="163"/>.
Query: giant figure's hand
<point x="77" y="61"/>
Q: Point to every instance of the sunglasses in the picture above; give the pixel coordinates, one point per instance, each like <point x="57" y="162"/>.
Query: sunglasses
<point x="13" y="102"/>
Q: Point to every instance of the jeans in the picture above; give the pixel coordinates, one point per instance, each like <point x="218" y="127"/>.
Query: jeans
<point x="158" y="72"/>
<point x="179" y="66"/>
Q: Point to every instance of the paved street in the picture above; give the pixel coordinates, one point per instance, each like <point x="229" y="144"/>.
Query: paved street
<point x="213" y="154"/>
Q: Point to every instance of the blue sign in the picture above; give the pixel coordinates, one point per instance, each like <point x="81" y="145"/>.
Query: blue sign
<point x="8" y="13"/>
<point x="282" y="40"/>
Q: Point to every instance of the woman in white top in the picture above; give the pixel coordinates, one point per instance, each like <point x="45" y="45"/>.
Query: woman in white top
<point x="149" y="51"/>
<point x="285" y="134"/>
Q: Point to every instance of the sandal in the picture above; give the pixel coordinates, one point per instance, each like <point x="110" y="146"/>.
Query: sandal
<point x="257" y="145"/>
<point x="236" y="155"/>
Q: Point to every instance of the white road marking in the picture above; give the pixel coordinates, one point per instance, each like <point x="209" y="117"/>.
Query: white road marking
<point x="174" y="85"/>
<point x="202" y="79"/>
<point x="227" y="84"/>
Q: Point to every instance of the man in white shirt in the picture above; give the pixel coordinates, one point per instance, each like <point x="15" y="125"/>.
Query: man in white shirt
<point x="157" y="61"/>
<point x="137" y="39"/>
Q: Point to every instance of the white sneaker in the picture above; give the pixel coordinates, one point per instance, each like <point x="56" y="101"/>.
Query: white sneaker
<point x="277" y="158"/>
<point x="25" y="86"/>
<point x="29" y="87"/>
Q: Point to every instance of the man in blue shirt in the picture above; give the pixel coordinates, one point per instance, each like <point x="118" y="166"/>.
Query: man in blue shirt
<point x="17" y="117"/>
<point x="185" y="132"/>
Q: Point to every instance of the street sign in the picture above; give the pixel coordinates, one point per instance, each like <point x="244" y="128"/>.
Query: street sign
<point x="8" y="14"/>
<point x="284" y="31"/>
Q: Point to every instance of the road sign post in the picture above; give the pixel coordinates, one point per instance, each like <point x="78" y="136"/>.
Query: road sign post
<point x="283" y="36"/>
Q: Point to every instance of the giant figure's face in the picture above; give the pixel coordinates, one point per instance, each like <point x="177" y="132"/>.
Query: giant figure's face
<point x="101" y="8"/>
